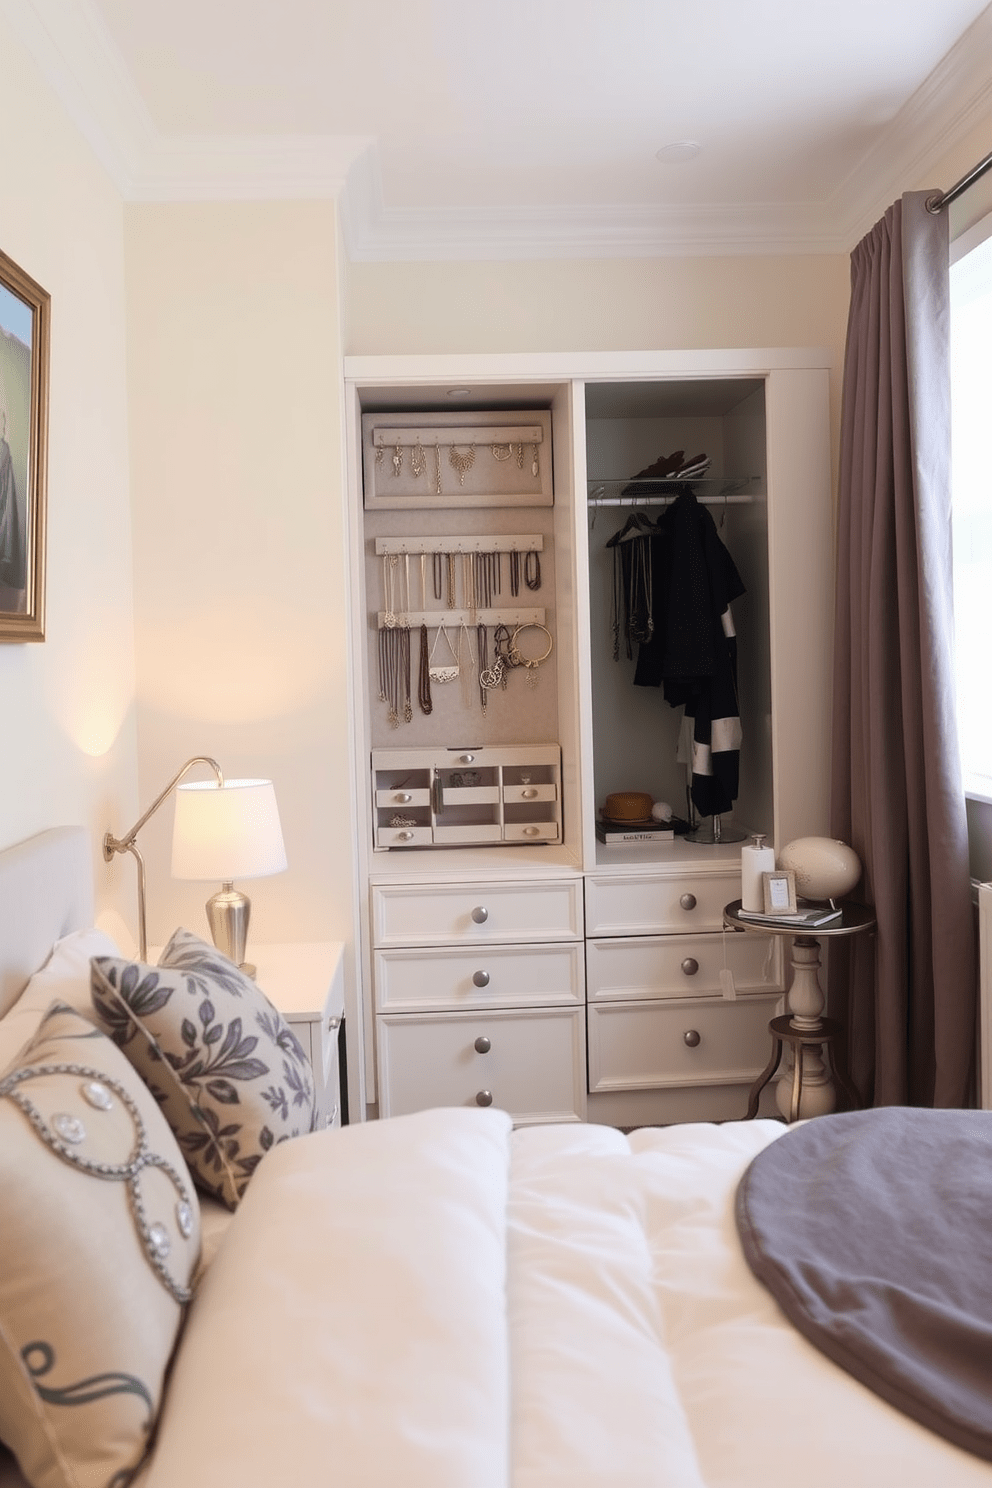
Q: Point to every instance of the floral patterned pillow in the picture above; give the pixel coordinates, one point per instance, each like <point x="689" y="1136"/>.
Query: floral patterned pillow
<point x="229" y="1073"/>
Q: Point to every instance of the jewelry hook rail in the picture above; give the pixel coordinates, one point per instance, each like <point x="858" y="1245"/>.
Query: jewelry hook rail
<point x="436" y="619"/>
<point x="520" y="542"/>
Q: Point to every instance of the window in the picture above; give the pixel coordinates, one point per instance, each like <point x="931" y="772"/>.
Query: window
<point x="971" y="433"/>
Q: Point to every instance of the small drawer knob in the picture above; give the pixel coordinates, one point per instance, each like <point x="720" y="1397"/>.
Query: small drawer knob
<point x="532" y="831"/>
<point x="404" y="836"/>
<point x="529" y="794"/>
<point x="484" y="1098"/>
<point x="688" y="901"/>
<point x="480" y="978"/>
<point x="690" y="966"/>
<point x="402" y="797"/>
<point x="466" y="759"/>
<point x="691" y="1038"/>
<point x="480" y="914"/>
<point x="483" y="1044"/>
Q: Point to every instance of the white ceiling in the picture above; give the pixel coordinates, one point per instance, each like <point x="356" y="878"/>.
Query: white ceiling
<point x="526" y="128"/>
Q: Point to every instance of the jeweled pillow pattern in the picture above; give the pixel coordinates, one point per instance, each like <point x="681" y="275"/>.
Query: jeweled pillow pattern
<point x="100" y="1226"/>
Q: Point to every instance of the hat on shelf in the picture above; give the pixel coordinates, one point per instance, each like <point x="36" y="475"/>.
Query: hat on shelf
<point x="628" y="806"/>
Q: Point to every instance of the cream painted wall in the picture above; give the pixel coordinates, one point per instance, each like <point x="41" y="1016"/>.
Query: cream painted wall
<point x="601" y="305"/>
<point x="596" y="305"/>
<point x="67" y="748"/>
<point x="240" y="596"/>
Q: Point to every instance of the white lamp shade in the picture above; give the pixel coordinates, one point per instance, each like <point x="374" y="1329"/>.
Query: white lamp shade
<point x="223" y="832"/>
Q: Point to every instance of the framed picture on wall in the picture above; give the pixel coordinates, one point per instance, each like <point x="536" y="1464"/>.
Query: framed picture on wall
<point x="24" y="334"/>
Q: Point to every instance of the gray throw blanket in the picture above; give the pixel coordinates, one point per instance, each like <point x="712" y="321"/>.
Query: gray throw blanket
<point x="873" y="1231"/>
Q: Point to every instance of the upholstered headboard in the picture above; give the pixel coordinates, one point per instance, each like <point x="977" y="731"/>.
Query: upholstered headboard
<point x="46" y="891"/>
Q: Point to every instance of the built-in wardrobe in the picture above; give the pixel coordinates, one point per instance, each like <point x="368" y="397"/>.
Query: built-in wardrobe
<point x="508" y="955"/>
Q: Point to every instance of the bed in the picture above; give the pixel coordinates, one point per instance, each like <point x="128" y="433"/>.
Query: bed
<point x="434" y="1299"/>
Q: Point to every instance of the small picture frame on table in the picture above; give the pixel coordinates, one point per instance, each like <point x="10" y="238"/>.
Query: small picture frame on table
<point x="779" y="892"/>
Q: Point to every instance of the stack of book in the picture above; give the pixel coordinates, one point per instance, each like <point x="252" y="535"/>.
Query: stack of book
<point x="617" y="833"/>
<point x="806" y="916"/>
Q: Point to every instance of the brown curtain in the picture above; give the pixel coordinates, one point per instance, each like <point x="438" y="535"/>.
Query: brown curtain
<point x="908" y="995"/>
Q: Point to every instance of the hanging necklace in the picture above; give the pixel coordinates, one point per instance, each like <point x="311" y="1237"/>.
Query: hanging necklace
<point x="424" y="675"/>
<point x="462" y="463"/>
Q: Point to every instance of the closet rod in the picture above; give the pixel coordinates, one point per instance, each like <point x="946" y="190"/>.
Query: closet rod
<point x="939" y="200"/>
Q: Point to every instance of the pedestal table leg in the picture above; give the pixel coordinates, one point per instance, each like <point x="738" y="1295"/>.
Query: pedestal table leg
<point x="808" y="1089"/>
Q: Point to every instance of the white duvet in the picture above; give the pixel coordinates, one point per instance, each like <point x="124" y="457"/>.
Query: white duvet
<point x="436" y="1300"/>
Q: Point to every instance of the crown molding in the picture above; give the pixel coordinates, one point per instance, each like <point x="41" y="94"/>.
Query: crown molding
<point x="72" y="50"/>
<point x="955" y="97"/>
<point x="374" y="232"/>
<point x="74" y="53"/>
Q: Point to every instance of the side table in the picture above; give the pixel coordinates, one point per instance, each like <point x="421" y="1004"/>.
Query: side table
<point x="305" y="981"/>
<point x="812" y="1038"/>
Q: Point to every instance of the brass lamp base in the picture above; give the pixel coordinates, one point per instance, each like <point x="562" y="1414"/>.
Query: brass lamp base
<point x="228" y="914"/>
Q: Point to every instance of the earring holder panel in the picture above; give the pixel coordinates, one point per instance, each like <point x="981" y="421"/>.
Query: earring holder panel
<point x="477" y="458"/>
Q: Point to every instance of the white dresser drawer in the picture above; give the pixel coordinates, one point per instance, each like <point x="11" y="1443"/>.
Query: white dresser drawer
<point x="645" y="1045"/>
<point x="639" y="967"/>
<point x="529" y="1064"/>
<point x="633" y="904"/>
<point x="474" y="914"/>
<point x="483" y="976"/>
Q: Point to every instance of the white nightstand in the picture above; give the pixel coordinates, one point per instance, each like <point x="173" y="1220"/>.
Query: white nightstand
<point x="305" y="981"/>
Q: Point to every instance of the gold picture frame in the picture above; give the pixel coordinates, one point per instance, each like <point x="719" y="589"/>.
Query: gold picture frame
<point x="24" y="349"/>
<point x="779" y="891"/>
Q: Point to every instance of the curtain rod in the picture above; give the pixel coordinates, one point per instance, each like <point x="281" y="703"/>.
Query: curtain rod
<point x="939" y="200"/>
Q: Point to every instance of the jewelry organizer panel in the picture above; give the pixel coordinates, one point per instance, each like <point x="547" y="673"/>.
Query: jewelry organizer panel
<point x="470" y="459"/>
<point x="405" y="581"/>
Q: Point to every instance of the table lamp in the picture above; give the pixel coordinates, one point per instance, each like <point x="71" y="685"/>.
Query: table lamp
<point x="128" y="843"/>
<point x="223" y="832"/>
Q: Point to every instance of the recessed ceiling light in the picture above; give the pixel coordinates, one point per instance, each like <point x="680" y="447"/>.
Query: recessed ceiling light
<point x="678" y="152"/>
<point x="458" y="392"/>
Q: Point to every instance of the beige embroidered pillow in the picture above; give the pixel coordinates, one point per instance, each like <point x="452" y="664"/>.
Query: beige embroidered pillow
<point x="100" y="1237"/>
<point x="229" y="1073"/>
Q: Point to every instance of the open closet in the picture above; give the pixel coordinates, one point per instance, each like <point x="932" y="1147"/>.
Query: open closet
<point x="505" y="691"/>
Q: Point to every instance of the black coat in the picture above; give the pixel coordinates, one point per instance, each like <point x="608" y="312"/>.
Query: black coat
<point x="689" y="653"/>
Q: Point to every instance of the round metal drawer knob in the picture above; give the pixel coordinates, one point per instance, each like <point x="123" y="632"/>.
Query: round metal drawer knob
<point x="480" y="914"/>
<point x="532" y="831"/>
<point x="404" y="836"/>
<point x="528" y="795"/>
<point x="484" y="1098"/>
<point x="691" y="1038"/>
<point x="402" y="796"/>
<point x="690" y="966"/>
<point x="466" y="759"/>
<point x="688" y="901"/>
<point x="480" y="978"/>
<point x="483" y="1045"/>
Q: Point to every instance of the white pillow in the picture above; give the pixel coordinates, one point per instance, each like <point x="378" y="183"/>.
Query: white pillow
<point x="65" y="977"/>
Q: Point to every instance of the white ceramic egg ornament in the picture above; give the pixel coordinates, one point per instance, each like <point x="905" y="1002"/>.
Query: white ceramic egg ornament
<point x="824" y="867"/>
